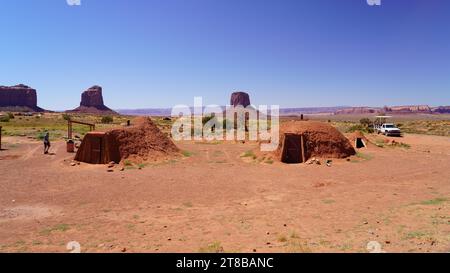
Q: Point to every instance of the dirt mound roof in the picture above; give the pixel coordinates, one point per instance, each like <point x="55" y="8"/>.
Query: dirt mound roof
<point x="321" y="139"/>
<point x="353" y="137"/>
<point x="142" y="141"/>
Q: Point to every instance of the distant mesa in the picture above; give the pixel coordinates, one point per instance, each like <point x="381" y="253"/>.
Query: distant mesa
<point x="19" y="98"/>
<point x="357" y="110"/>
<point x="442" y="110"/>
<point x="92" y="102"/>
<point x="408" y="109"/>
<point x="240" y="98"/>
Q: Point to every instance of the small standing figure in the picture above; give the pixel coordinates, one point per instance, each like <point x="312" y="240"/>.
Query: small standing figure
<point x="46" y="142"/>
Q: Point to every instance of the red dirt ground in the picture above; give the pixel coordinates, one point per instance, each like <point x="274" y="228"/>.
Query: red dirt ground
<point x="215" y="201"/>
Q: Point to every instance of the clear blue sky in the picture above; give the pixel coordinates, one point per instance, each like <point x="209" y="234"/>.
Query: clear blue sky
<point x="158" y="53"/>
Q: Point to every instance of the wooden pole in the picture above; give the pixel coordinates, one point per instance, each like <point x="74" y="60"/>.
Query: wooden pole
<point x="302" y="144"/>
<point x="0" y="138"/>
<point x="69" y="129"/>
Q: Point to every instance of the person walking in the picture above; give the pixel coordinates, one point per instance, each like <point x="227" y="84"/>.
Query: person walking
<point x="46" y="142"/>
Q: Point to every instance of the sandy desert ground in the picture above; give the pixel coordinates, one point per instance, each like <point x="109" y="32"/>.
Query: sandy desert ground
<point x="213" y="200"/>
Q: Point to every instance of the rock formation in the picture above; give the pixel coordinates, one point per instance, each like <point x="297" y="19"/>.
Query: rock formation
<point x="240" y="98"/>
<point x="92" y="102"/>
<point x="442" y="110"/>
<point x="20" y="98"/>
<point x="357" y="110"/>
<point x="408" y="109"/>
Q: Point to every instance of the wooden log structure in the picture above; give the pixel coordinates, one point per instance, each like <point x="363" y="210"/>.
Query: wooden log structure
<point x="70" y="129"/>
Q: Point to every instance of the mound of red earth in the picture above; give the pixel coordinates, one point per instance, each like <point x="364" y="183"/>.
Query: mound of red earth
<point x="320" y="140"/>
<point x="92" y="103"/>
<point x="358" y="139"/>
<point x="19" y="98"/>
<point x="140" y="142"/>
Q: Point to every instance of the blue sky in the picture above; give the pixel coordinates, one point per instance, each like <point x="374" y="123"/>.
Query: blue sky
<point x="158" y="53"/>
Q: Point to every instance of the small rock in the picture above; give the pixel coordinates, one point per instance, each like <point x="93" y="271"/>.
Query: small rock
<point x="122" y="169"/>
<point x="124" y="249"/>
<point x="169" y="239"/>
<point x="267" y="233"/>
<point x="73" y="164"/>
<point x="254" y="250"/>
<point x="365" y="223"/>
<point x="387" y="242"/>
<point x="110" y="170"/>
<point x="268" y="243"/>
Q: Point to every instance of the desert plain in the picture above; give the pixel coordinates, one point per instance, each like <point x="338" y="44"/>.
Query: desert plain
<point x="220" y="196"/>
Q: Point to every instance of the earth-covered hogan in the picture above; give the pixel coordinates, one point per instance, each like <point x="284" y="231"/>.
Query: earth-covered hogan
<point x="358" y="140"/>
<point x="139" y="142"/>
<point x="302" y="140"/>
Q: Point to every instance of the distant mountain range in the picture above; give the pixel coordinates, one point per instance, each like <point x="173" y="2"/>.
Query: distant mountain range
<point x="337" y="110"/>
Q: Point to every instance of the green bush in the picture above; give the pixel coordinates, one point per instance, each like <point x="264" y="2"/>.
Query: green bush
<point x="4" y="118"/>
<point x="107" y="119"/>
<point x="40" y="135"/>
<point x="208" y="118"/>
<point x="11" y="115"/>
<point x="361" y="128"/>
<point x="205" y="119"/>
<point x="66" y="116"/>
<point x="365" y="122"/>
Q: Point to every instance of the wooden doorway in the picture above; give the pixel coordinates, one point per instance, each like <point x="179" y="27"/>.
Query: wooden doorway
<point x="360" y="143"/>
<point x="293" y="149"/>
<point x="96" y="149"/>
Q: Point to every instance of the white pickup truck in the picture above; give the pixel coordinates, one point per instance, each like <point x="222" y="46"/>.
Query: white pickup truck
<point x="388" y="129"/>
